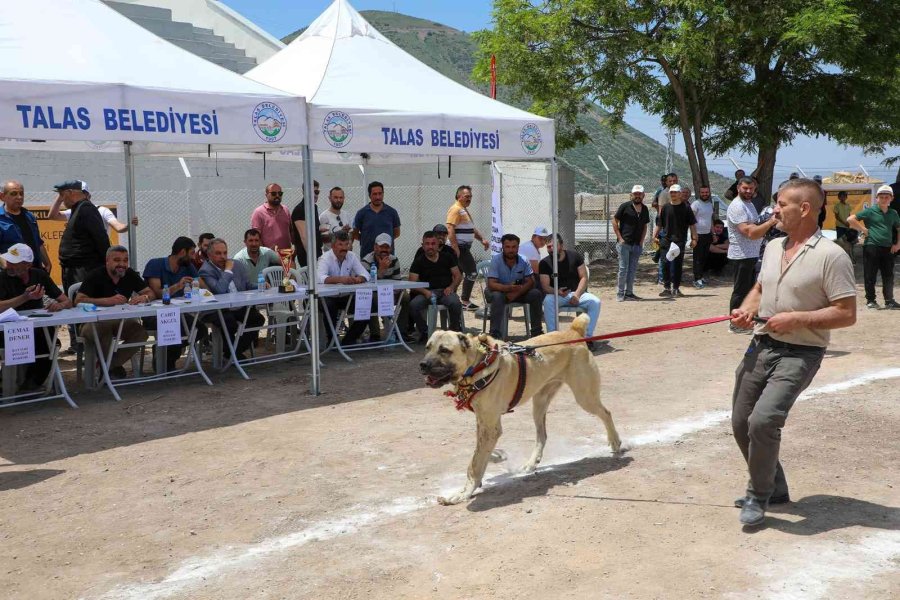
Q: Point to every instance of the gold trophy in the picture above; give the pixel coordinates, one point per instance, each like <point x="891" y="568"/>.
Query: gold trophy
<point x="287" y="261"/>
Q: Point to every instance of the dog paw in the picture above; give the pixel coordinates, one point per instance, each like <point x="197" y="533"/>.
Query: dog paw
<point x="498" y="456"/>
<point x="528" y="468"/>
<point x="454" y="499"/>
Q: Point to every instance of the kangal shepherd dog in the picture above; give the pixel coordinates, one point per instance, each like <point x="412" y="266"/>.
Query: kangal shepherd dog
<point x="451" y="357"/>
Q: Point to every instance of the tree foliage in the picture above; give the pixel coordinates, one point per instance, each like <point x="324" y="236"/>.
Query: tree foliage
<point x="730" y="75"/>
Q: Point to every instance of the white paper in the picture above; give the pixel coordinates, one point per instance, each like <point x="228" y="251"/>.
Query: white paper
<point x="385" y="301"/>
<point x="363" y="309"/>
<point x="168" y="326"/>
<point x="19" y="342"/>
<point x="10" y="315"/>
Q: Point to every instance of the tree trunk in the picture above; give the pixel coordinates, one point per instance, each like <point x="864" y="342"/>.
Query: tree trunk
<point x="765" y="169"/>
<point x="703" y="175"/>
<point x="683" y="121"/>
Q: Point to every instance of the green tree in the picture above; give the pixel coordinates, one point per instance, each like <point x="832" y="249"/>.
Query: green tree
<point x="731" y="75"/>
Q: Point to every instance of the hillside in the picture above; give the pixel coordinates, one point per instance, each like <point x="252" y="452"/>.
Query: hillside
<point x="632" y="156"/>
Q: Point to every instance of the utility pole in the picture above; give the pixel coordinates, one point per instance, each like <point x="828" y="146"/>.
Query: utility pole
<point x="670" y="150"/>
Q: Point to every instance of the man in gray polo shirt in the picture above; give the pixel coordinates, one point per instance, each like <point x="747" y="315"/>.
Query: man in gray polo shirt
<point x="805" y="289"/>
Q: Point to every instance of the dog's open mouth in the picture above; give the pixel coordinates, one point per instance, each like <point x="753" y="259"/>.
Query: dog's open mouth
<point x="436" y="381"/>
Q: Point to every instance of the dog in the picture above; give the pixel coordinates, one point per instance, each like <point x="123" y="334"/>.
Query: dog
<point x="462" y="360"/>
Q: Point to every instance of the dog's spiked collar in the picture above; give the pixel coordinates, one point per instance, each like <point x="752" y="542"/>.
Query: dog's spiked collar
<point x="465" y="392"/>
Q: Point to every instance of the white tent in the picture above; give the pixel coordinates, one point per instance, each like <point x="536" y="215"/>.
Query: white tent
<point x="366" y="95"/>
<point x="76" y="70"/>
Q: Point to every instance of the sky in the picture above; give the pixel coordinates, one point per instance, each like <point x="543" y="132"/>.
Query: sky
<point x="812" y="156"/>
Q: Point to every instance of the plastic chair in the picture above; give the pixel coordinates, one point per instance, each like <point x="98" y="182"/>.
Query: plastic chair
<point x="280" y="312"/>
<point x="482" y="268"/>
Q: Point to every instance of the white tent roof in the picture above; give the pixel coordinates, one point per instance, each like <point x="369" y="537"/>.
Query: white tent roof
<point x="365" y="94"/>
<point x="76" y="70"/>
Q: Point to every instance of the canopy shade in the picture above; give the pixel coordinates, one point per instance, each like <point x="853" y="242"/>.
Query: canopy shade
<point x="76" y="70"/>
<point x="366" y="95"/>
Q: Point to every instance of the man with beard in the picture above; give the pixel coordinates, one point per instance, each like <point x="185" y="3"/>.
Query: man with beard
<point x="375" y="218"/>
<point x="115" y="284"/>
<point x="174" y="271"/>
<point x="442" y="275"/>
<point x="510" y="279"/>
<point x="272" y="219"/>
<point x="744" y="240"/>
<point x="341" y="266"/>
<point x="671" y="229"/>
<point x="255" y="257"/>
<point x="298" y="232"/>
<point x="84" y="243"/>
<point x="334" y="218"/>
<point x="805" y="289"/>
<point x="630" y="226"/>
<point x="388" y="267"/>
<point x="703" y="212"/>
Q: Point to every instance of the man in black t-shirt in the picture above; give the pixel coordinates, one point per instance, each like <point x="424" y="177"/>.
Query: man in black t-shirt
<point x="630" y="226"/>
<point x="674" y="219"/>
<point x="441" y="272"/>
<point x="718" y="248"/>
<point x="112" y="285"/>
<point x="573" y="283"/>
<point x="23" y="287"/>
<point x="298" y="229"/>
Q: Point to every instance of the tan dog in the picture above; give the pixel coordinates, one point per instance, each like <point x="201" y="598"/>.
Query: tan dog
<point x="449" y="355"/>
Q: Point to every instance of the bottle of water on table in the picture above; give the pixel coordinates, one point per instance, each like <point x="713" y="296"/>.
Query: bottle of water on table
<point x="167" y="298"/>
<point x="373" y="271"/>
<point x="261" y="283"/>
<point x="188" y="290"/>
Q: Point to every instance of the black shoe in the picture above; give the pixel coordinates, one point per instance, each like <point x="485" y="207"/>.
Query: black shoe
<point x="780" y="499"/>
<point x="117" y="373"/>
<point x="891" y="304"/>
<point x="873" y="305"/>
<point x="752" y="513"/>
<point x="666" y="293"/>
<point x="591" y="346"/>
<point x="495" y="335"/>
<point x="632" y="297"/>
<point x="537" y="333"/>
<point x="678" y="293"/>
<point x="471" y="306"/>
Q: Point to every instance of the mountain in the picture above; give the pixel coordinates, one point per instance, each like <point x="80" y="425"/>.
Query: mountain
<point x="632" y="156"/>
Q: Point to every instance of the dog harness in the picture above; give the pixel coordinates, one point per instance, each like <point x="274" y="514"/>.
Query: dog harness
<point x="465" y="393"/>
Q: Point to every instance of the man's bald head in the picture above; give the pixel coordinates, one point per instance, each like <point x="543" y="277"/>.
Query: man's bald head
<point x="11" y="185"/>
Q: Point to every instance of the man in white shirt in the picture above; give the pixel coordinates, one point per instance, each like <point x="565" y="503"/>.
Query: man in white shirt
<point x="531" y="250"/>
<point x="334" y="218"/>
<point x="112" y="223"/>
<point x="703" y="212"/>
<point x="341" y="266"/>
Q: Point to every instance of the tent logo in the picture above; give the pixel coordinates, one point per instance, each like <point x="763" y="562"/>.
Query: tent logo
<point x="531" y="139"/>
<point x="269" y="122"/>
<point x="337" y="129"/>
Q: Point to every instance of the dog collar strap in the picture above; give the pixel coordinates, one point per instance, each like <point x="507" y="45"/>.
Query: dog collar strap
<point x="520" y="384"/>
<point x="489" y="358"/>
<point x="465" y="393"/>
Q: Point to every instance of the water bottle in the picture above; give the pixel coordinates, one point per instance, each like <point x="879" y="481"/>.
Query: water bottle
<point x="167" y="299"/>
<point x="187" y="290"/>
<point x="196" y="293"/>
<point x="88" y="307"/>
<point x="433" y="298"/>
<point x="373" y="271"/>
<point x="261" y="283"/>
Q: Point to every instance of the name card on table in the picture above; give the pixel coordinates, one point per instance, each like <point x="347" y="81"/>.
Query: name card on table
<point x="19" y="337"/>
<point x="363" y="309"/>
<point x="385" y="301"/>
<point x="168" y="326"/>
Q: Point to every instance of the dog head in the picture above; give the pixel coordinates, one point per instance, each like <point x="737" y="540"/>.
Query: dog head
<point x="447" y="356"/>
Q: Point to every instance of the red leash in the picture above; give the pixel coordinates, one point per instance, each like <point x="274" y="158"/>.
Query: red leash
<point x="643" y="330"/>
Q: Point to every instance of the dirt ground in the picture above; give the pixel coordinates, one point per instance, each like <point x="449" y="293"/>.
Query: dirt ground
<point x="255" y="489"/>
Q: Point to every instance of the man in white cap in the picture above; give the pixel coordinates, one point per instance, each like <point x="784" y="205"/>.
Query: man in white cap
<point x="877" y="225"/>
<point x="671" y="230"/>
<point x="630" y="226"/>
<point x="388" y="267"/>
<point x="531" y="250"/>
<point x="23" y="287"/>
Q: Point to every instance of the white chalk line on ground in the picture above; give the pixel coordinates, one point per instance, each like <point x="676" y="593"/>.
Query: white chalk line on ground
<point x="809" y="573"/>
<point x="195" y="571"/>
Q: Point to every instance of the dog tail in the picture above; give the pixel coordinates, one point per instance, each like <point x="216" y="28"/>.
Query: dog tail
<point x="579" y="325"/>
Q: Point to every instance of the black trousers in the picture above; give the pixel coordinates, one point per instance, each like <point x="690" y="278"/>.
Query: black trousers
<point x="232" y="319"/>
<point x="672" y="269"/>
<point x="701" y="254"/>
<point x="744" y="279"/>
<point x="468" y="266"/>
<point x="335" y="304"/>
<point x="878" y="259"/>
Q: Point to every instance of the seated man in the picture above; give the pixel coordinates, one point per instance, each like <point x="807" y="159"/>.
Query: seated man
<point x="718" y="249"/>
<point x="573" y="282"/>
<point x="255" y="257"/>
<point x="388" y="267"/>
<point x="23" y="287"/>
<point x="174" y="271"/>
<point x="111" y="285"/>
<point x="441" y="272"/>
<point x="341" y="266"/>
<point x="510" y="279"/>
<point x="221" y="275"/>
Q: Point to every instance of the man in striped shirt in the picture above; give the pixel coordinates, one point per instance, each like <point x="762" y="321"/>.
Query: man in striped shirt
<point x="462" y="233"/>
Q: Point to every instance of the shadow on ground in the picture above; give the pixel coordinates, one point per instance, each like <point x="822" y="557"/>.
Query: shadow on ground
<point x="823" y="513"/>
<point x="508" y="489"/>
<point x="15" y="480"/>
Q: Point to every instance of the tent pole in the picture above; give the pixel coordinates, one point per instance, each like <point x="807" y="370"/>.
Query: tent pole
<point x="130" y="202"/>
<point x="554" y="226"/>
<point x="309" y="217"/>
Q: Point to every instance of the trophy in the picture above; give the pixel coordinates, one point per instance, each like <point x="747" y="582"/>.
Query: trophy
<point x="287" y="261"/>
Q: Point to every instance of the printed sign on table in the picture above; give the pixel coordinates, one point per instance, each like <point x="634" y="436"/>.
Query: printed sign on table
<point x="385" y="301"/>
<point x="363" y="309"/>
<point x="168" y="326"/>
<point x="19" y="338"/>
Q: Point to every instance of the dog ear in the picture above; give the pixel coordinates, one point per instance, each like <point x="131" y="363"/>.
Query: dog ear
<point x="464" y="342"/>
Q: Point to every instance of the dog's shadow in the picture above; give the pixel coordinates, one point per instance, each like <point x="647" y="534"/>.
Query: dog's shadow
<point x="512" y="488"/>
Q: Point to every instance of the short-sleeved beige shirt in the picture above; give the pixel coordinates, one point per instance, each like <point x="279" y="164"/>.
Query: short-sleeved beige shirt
<point x="819" y="274"/>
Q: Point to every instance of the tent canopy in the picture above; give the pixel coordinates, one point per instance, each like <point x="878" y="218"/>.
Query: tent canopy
<point x="78" y="71"/>
<point x="366" y="95"/>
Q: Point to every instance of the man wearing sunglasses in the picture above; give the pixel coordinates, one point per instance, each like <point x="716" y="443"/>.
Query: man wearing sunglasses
<point x="298" y="217"/>
<point x="272" y="219"/>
